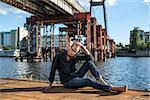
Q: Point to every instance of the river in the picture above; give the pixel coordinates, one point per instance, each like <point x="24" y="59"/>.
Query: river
<point x="131" y="71"/>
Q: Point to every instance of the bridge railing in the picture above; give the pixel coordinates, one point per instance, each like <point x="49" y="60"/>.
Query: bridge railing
<point x="76" y="5"/>
<point x="69" y="5"/>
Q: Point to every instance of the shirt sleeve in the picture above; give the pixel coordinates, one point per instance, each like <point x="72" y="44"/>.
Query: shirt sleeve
<point x="53" y="69"/>
<point x="84" y="57"/>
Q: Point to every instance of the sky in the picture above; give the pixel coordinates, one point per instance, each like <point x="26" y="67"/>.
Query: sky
<point x="122" y="16"/>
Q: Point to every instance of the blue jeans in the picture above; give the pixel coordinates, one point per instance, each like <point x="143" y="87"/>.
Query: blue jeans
<point x="79" y="81"/>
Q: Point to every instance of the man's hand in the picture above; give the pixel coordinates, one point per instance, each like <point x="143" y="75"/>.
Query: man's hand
<point x="83" y="47"/>
<point x="78" y="43"/>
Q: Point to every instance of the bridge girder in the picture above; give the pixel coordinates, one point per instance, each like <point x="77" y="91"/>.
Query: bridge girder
<point x="44" y="8"/>
<point x="66" y="29"/>
<point x="59" y="19"/>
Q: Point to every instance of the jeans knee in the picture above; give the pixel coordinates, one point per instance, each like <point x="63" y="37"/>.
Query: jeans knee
<point x="91" y="63"/>
<point x="88" y="62"/>
<point x="88" y="80"/>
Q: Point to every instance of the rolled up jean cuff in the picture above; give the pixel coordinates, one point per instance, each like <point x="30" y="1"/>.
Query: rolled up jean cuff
<point x="108" y="89"/>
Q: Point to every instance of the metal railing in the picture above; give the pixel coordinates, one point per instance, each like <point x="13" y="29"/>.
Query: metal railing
<point x="69" y="5"/>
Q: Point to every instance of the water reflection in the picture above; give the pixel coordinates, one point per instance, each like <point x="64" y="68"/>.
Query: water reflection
<point x="33" y="71"/>
<point x="131" y="71"/>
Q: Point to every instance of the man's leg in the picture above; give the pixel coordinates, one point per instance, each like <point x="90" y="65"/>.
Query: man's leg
<point x="89" y="65"/>
<point x="84" y="82"/>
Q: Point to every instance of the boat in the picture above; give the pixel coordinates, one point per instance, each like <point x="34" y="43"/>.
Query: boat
<point x="10" y="53"/>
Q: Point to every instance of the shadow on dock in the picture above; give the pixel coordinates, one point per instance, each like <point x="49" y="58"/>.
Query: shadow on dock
<point x="60" y="89"/>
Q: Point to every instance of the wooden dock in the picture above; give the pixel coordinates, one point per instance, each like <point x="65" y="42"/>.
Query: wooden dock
<point x="12" y="89"/>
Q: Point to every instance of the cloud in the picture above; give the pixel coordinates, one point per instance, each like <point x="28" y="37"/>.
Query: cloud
<point x="13" y="10"/>
<point x="3" y="12"/>
<point x="111" y="2"/>
<point x="6" y="9"/>
<point x="19" y="16"/>
<point x="16" y="11"/>
<point x="147" y="1"/>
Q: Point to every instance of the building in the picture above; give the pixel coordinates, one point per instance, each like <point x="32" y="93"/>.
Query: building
<point x="6" y="39"/>
<point x="0" y="41"/>
<point x="9" y="39"/>
<point x="55" y="41"/>
<point x="13" y="39"/>
<point x="147" y="37"/>
<point x="23" y="41"/>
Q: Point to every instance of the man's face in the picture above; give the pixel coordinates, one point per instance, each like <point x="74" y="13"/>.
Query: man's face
<point x="73" y="50"/>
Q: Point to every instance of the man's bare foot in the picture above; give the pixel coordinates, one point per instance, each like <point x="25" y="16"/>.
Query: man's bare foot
<point x="120" y="89"/>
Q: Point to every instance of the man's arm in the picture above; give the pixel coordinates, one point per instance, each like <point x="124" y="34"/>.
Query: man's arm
<point x="53" y="70"/>
<point x="87" y="56"/>
<point x="85" y="50"/>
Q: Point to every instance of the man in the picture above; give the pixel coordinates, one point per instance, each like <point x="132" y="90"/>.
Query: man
<point x="70" y="77"/>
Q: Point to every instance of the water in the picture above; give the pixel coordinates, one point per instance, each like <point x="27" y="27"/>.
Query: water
<point x="134" y="72"/>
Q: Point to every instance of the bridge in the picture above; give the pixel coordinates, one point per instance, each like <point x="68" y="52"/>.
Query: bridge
<point x="47" y="13"/>
<point x="45" y="8"/>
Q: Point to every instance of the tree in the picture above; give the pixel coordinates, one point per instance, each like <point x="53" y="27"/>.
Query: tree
<point x="148" y="45"/>
<point x="135" y="41"/>
<point x="120" y="45"/>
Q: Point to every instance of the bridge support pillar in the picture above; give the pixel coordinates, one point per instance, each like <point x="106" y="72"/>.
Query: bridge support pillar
<point x="94" y="39"/>
<point x="34" y="43"/>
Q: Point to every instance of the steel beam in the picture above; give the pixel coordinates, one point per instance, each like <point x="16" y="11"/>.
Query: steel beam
<point x="66" y="29"/>
<point x="57" y="19"/>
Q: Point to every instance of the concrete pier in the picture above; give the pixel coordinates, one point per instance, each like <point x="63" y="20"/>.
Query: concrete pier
<point x="12" y="89"/>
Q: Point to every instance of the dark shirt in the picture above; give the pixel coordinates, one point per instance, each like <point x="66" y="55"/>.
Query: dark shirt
<point x="66" y="68"/>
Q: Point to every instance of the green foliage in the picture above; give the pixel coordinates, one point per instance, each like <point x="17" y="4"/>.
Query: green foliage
<point x="136" y="42"/>
<point x="148" y="45"/>
<point x="119" y="46"/>
<point x="7" y="48"/>
<point x="117" y="50"/>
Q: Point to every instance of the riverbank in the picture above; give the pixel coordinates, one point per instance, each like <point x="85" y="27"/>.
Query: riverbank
<point x="12" y="89"/>
<point x="138" y="53"/>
